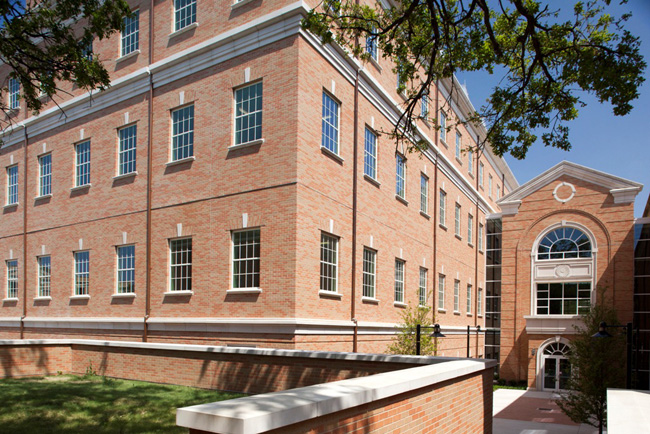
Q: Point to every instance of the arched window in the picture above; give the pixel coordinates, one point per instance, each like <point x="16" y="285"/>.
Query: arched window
<point x="557" y="349"/>
<point x="564" y="243"/>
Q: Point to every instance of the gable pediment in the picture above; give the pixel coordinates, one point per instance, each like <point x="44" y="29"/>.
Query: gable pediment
<point x="623" y="190"/>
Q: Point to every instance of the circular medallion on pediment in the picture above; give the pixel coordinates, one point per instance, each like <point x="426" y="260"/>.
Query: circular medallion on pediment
<point x="562" y="271"/>
<point x="564" y="192"/>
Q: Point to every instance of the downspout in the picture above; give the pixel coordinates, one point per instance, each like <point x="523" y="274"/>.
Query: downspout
<point x="147" y="308"/>
<point x="436" y="217"/>
<point x="353" y="297"/>
<point x="477" y="234"/>
<point x="24" y="314"/>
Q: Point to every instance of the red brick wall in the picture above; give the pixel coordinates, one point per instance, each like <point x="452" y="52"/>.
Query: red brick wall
<point x="33" y="360"/>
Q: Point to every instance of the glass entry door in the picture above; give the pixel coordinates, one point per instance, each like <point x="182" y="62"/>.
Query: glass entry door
<point x="557" y="368"/>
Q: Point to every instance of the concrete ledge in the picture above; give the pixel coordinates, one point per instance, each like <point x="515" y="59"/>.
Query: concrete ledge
<point x="627" y="411"/>
<point x="268" y="411"/>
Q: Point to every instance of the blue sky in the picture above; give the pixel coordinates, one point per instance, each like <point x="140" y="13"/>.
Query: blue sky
<point x="600" y="140"/>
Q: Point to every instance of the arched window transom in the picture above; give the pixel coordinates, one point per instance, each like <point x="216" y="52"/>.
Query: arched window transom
<point x="557" y="349"/>
<point x="564" y="243"/>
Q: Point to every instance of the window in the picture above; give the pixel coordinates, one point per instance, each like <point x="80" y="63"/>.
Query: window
<point x="329" y="250"/>
<point x="14" y="93"/>
<point x="130" y="33"/>
<point x="469" y="298"/>
<point x="330" y="138"/>
<point x="82" y="164"/>
<point x="443" y="207"/>
<point x="81" y="273"/>
<point x="44" y="273"/>
<point x="87" y="51"/>
<point x="470" y="162"/>
<point x="183" y="133"/>
<point x="45" y="175"/>
<point x="480" y="237"/>
<point x="400" y="176"/>
<point x="399" y="281"/>
<point x="422" y="288"/>
<point x="480" y="174"/>
<point x="246" y="259"/>
<point x="470" y="228"/>
<point x="370" y="155"/>
<point x="180" y="264"/>
<point x="424" y="194"/>
<point x="563" y="298"/>
<point x="127" y="152"/>
<point x="458" y="144"/>
<point x="12" y="279"/>
<point x="479" y="302"/>
<point x="424" y="107"/>
<point x="456" y="295"/>
<point x="441" y="291"/>
<point x="12" y="185"/>
<point x="443" y="127"/>
<point x="248" y="113"/>
<point x="457" y="221"/>
<point x="490" y="185"/>
<point x="498" y="192"/>
<point x="564" y="243"/>
<point x="371" y="45"/>
<point x="369" y="272"/>
<point x="184" y="13"/>
<point x="126" y="269"/>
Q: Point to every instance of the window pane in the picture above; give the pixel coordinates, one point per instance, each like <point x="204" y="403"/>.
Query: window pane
<point x="330" y="124"/>
<point x="246" y="259"/>
<point x="248" y="113"/>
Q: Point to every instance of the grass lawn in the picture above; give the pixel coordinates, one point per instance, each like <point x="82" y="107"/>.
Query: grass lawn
<point x="94" y="404"/>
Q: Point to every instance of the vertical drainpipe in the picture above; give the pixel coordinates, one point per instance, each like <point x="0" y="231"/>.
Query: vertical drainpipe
<point x="436" y="136"/>
<point x="147" y="309"/>
<point x="476" y="232"/>
<point x="24" y="314"/>
<point x="354" y="214"/>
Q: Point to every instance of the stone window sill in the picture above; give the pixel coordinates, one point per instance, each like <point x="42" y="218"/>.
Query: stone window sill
<point x="331" y="154"/>
<point x="247" y="144"/>
<point x="183" y="30"/>
<point x="124" y="295"/>
<point x="330" y="294"/>
<point x="128" y="56"/>
<point x="181" y="161"/>
<point x="244" y="291"/>
<point x="177" y="293"/>
<point x="125" y="175"/>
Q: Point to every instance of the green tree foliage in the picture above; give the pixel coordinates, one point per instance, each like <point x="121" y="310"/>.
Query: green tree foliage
<point x="596" y="365"/>
<point x="546" y="59"/>
<point x="404" y="341"/>
<point x="47" y="42"/>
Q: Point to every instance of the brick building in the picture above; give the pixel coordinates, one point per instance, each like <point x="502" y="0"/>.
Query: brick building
<point x="233" y="187"/>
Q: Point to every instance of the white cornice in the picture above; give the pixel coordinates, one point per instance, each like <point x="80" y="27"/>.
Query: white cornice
<point x="623" y="190"/>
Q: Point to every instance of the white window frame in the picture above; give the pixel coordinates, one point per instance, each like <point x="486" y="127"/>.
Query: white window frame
<point x="441" y="291"/>
<point x="442" y="208"/>
<point x="498" y="192"/>
<point x="459" y="144"/>
<point x="182" y="283"/>
<point x="490" y="186"/>
<point x="470" y="161"/>
<point x="457" y="220"/>
<point x="182" y="143"/>
<point x="14" y="94"/>
<point x="422" y="287"/>
<point x="184" y="14"/>
<point x="127" y="150"/>
<point x="369" y="273"/>
<point x="370" y="154"/>
<point x="329" y="263"/>
<point x="400" y="176"/>
<point x="469" y="299"/>
<point x="45" y="175"/>
<point x="481" y="168"/>
<point x="371" y="45"/>
<point x="130" y="34"/>
<point x="82" y="272"/>
<point x="242" y="262"/>
<point x="82" y="163"/>
<point x="539" y="301"/>
<point x="480" y="237"/>
<point x="248" y="111"/>
<point x="12" y="185"/>
<point x="330" y="123"/>
<point x="12" y="278"/>
<point x="400" y="270"/>
<point x="125" y="276"/>
<point x="44" y="276"/>
<point x="470" y="229"/>
<point x="443" y="127"/>
<point x="424" y="106"/>
<point x="456" y="296"/>
<point x="424" y="193"/>
<point x="479" y="302"/>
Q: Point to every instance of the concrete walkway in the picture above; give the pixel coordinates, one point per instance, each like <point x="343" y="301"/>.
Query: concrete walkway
<point x="532" y="412"/>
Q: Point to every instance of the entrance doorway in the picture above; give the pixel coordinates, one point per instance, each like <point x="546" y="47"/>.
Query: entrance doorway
<point x="556" y="367"/>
